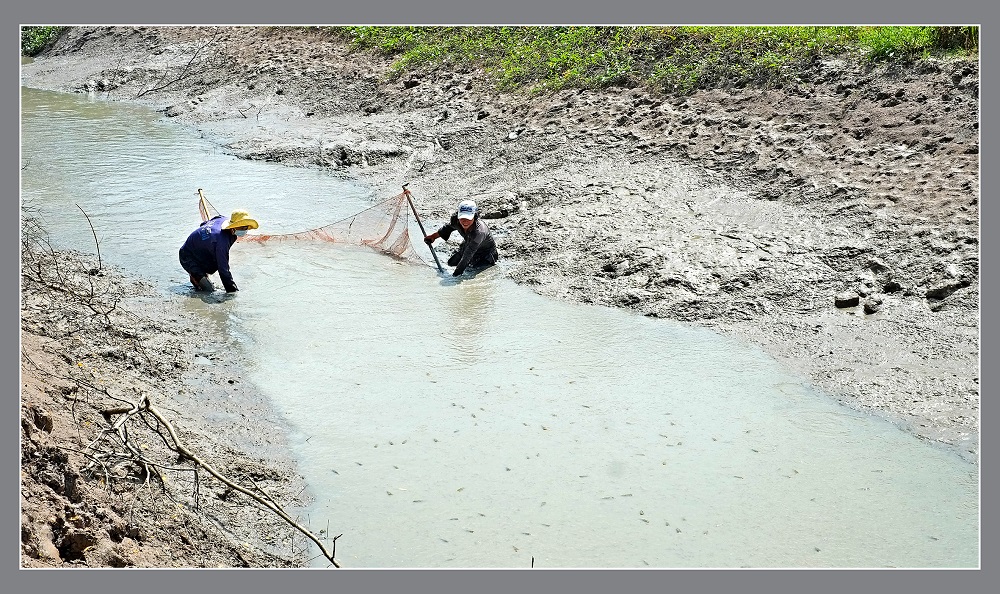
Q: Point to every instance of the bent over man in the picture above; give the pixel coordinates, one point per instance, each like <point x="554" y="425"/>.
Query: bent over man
<point x="478" y="248"/>
<point x="207" y="250"/>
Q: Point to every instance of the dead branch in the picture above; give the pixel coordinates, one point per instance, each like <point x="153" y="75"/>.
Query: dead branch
<point x="98" y="243"/>
<point x="264" y="499"/>
<point x="185" y="70"/>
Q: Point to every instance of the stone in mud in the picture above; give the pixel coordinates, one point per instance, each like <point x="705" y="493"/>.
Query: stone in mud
<point x="846" y="299"/>
<point x="42" y="419"/>
<point x="872" y="305"/>
<point x="944" y="290"/>
<point x="174" y="111"/>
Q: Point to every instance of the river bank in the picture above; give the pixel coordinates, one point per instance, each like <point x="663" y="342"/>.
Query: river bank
<point x="93" y="339"/>
<point x="747" y="211"/>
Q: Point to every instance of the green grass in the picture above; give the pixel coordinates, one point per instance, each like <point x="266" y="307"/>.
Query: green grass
<point x="672" y="59"/>
<point x="34" y="39"/>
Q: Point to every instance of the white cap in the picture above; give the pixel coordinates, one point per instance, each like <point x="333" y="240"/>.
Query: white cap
<point x="467" y="209"/>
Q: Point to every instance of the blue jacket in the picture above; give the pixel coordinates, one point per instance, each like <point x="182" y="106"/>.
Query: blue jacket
<point x="207" y="250"/>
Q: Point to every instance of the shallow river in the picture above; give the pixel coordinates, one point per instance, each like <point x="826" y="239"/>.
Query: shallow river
<point x="472" y="423"/>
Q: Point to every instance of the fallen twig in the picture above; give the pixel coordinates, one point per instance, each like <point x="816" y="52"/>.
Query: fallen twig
<point x="265" y="499"/>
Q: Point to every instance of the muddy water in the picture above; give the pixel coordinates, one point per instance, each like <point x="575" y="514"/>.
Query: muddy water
<point x="475" y="424"/>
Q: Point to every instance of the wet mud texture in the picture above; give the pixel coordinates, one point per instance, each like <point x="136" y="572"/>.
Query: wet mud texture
<point x="93" y="339"/>
<point x="833" y="222"/>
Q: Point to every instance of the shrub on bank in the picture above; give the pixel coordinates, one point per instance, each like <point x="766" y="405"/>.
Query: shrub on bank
<point x="673" y="59"/>
<point x="35" y="39"/>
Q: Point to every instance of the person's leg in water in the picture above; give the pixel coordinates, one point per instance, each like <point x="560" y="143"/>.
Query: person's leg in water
<point x="485" y="260"/>
<point x="455" y="258"/>
<point x="202" y="284"/>
<point x="199" y="280"/>
<point x="479" y="262"/>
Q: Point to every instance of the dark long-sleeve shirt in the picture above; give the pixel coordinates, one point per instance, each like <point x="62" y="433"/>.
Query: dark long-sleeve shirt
<point x="478" y="240"/>
<point x="207" y="250"/>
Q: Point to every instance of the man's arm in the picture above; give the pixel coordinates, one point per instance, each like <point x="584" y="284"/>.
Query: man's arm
<point x="222" y="258"/>
<point x="468" y="252"/>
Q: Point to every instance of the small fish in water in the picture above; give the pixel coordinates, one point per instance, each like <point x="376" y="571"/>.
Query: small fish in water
<point x="644" y="520"/>
<point x="435" y="440"/>
<point x="335" y="472"/>
<point x="678" y="530"/>
<point x="443" y="539"/>
<point x="543" y="504"/>
<point x="359" y="463"/>
<point x="526" y="533"/>
<point x="608" y="497"/>
<point x="627" y="495"/>
<point x="515" y="549"/>
<point x="460" y="489"/>
<point x="481" y="514"/>
<point x="547" y="525"/>
<point x="418" y="501"/>
<point x="388" y="492"/>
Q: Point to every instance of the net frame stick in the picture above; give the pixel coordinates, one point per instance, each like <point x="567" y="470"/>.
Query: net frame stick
<point x="413" y="209"/>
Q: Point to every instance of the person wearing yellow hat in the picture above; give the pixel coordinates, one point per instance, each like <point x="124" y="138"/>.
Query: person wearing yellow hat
<point x="206" y="250"/>
<point x="479" y="249"/>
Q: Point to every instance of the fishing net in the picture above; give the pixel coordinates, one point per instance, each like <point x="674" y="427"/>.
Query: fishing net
<point x="384" y="226"/>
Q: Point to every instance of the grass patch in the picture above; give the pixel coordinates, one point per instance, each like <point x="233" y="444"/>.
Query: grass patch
<point x="35" y="39"/>
<point x="670" y="59"/>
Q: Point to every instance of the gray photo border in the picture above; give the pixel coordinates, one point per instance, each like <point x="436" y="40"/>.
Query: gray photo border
<point x="464" y="12"/>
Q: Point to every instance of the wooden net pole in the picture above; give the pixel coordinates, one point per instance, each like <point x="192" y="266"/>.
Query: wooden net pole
<point x="406" y="192"/>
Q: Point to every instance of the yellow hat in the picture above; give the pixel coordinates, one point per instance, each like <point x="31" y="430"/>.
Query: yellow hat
<point x="240" y="218"/>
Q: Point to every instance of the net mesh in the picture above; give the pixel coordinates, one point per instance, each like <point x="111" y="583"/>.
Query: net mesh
<point x="384" y="226"/>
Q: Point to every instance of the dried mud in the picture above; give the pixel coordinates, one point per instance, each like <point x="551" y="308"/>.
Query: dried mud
<point x="833" y="222"/>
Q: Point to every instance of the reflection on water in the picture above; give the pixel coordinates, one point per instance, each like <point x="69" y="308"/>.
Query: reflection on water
<point x="472" y="423"/>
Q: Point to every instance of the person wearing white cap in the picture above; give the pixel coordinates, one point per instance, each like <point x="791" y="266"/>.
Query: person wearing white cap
<point x="478" y="248"/>
<point x="207" y="250"/>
